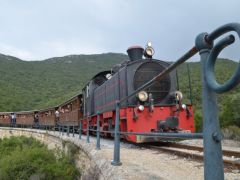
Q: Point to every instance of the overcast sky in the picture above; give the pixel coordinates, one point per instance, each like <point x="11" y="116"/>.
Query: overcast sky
<point x="40" y="29"/>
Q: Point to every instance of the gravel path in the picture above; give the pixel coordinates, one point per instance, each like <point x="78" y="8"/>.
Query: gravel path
<point x="141" y="163"/>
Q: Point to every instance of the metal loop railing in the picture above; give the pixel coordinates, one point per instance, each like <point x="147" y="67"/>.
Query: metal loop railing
<point x="213" y="163"/>
<point x="223" y="43"/>
<point x="222" y="30"/>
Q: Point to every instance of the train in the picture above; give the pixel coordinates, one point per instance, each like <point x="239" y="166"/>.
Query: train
<point x="157" y="108"/>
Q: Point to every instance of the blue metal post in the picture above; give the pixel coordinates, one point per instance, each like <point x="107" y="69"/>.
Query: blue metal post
<point x="213" y="163"/>
<point x="116" y="156"/>
<point x="88" y="141"/>
<point x="59" y="129"/>
<point x="73" y="131"/>
<point x="98" y="132"/>
<point x="80" y="129"/>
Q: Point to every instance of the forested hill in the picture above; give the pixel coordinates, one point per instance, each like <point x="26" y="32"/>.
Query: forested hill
<point x="27" y="85"/>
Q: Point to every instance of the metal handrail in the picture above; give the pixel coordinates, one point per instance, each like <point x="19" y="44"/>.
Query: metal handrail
<point x="213" y="162"/>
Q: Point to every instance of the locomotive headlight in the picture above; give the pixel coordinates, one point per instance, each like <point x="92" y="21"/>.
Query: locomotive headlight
<point x="149" y="44"/>
<point x="184" y="106"/>
<point x="149" y="51"/>
<point x="142" y="96"/>
<point x="178" y="95"/>
<point x="141" y="108"/>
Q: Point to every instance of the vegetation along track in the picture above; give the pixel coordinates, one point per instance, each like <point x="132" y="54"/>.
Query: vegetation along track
<point x="230" y="158"/>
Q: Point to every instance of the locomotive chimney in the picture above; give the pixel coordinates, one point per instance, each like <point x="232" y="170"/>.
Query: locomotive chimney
<point x="135" y="52"/>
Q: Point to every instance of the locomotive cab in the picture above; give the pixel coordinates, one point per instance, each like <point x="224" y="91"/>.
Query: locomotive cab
<point x="88" y="91"/>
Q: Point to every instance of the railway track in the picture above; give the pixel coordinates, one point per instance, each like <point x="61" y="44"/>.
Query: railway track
<point x="230" y="158"/>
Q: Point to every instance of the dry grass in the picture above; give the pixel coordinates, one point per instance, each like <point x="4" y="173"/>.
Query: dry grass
<point x="231" y="132"/>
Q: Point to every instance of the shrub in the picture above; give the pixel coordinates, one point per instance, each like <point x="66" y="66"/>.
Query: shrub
<point x="22" y="158"/>
<point x="231" y="132"/>
<point x="198" y="121"/>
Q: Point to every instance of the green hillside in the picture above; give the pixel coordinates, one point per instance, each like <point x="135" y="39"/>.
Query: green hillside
<point x="228" y="103"/>
<point x="27" y="85"/>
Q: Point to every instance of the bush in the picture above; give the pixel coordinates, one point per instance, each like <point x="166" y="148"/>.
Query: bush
<point x="231" y="132"/>
<point x="25" y="158"/>
<point x="198" y="121"/>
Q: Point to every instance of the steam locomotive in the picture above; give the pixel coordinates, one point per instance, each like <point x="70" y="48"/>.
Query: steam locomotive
<point x="157" y="108"/>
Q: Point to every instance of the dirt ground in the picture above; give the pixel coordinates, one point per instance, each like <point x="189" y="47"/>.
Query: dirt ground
<point x="141" y="163"/>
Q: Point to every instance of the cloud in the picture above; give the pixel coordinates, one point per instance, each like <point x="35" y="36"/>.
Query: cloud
<point x="43" y="29"/>
<point x="59" y="48"/>
<point x="17" y="52"/>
